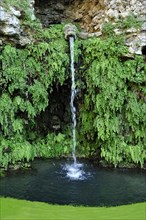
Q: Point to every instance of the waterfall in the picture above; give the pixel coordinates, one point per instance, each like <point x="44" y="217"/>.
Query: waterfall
<point x="75" y="169"/>
<point x="73" y="93"/>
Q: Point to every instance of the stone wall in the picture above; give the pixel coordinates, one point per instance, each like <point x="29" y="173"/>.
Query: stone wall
<point x="90" y="14"/>
<point x="93" y="13"/>
<point x="11" y="18"/>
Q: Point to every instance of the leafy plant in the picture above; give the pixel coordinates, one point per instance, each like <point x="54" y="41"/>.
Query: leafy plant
<point x="113" y="110"/>
<point x="27" y="78"/>
<point x="22" y="5"/>
<point x="129" y="22"/>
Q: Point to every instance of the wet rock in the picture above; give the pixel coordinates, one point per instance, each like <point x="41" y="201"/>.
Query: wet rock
<point x="85" y="35"/>
<point x="55" y="123"/>
<point x="112" y="13"/>
<point x="23" y="41"/>
<point x="59" y="7"/>
<point x="135" y="42"/>
<point x="102" y="3"/>
<point x="131" y="30"/>
<point x="15" y="12"/>
<point x="143" y="28"/>
<point x="92" y="14"/>
<point x="117" y="31"/>
<point x="19" y="166"/>
<point x="9" y="23"/>
<point x="31" y="9"/>
<point x="15" y="167"/>
<point x="50" y="12"/>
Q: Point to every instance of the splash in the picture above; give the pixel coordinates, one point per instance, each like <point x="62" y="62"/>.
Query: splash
<point x="75" y="171"/>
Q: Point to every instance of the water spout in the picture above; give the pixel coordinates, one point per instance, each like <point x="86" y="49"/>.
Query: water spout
<point x="70" y="30"/>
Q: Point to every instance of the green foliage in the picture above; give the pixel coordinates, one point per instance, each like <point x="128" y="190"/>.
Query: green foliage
<point x="52" y="146"/>
<point x="111" y="104"/>
<point x="23" y="5"/>
<point x="19" y="150"/>
<point x="113" y="111"/>
<point x="122" y="24"/>
<point x="16" y="3"/>
<point x="26" y="80"/>
<point x="28" y="21"/>
<point x="108" y="28"/>
<point x="26" y="83"/>
<point x="53" y="32"/>
<point x="129" y="22"/>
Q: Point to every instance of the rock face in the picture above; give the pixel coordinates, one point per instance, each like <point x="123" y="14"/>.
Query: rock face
<point x="9" y="22"/>
<point x="50" y="12"/>
<point x="31" y="9"/>
<point x="90" y="15"/>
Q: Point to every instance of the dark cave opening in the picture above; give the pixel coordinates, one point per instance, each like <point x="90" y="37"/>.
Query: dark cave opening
<point x="52" y="11"/>
<point x="57" y="115"/>
<point x="143" y="50"/>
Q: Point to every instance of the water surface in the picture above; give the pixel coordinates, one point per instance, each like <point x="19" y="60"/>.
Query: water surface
<point x="48" y="182"/>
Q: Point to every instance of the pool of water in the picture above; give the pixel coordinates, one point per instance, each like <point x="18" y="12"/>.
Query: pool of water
<point x="49" y="182"/>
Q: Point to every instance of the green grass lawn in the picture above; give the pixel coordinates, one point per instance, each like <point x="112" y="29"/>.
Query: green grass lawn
<point x="13" y="209"/>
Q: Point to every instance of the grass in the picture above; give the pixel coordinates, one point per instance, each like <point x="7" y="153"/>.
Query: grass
<point x="13" y="209"/>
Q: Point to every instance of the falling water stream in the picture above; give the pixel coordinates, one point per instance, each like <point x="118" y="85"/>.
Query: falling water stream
<point x="75" y="170"/>
<point x="73" y="93"/>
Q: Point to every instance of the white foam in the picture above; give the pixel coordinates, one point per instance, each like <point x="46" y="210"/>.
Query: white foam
<point x="75" y="171"/>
